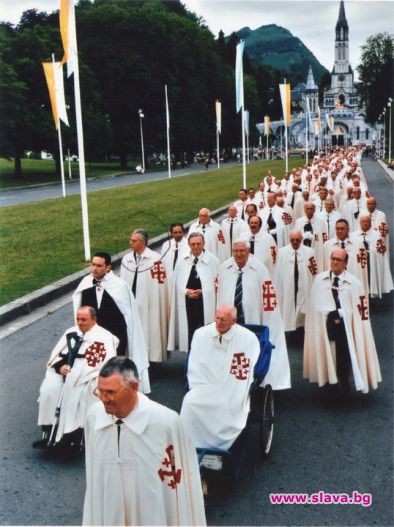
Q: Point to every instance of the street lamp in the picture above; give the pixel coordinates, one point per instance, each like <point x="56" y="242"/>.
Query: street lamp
<point x="389" y="105"/>
<point x="141" y="114"/>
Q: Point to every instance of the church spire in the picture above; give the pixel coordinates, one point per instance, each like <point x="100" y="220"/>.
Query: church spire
<point x="342" y="28"/>
<point x="310" y="82"/>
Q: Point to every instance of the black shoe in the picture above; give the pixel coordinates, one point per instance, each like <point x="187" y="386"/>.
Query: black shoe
<point x="41" y="444"/>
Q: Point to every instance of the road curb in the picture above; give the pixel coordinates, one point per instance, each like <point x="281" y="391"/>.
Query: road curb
<point x="388" y="171"/>
<point x="26" y="304"/>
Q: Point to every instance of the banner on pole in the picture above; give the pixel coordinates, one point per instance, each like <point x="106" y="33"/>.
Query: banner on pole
<point x="308" y="113"/>
<point x="54" y="77"/>
<point x="247" y="121"/>
<point x="218" y="107"/>
<point x="68" y="34"/>
<point x="267" y="125"/>
<point x="330" y="122"/>
<point x="318" y="120"/>
<point x="167" y="109"/>
<point x="239" y="77"/>
<point x="285" y="96"/>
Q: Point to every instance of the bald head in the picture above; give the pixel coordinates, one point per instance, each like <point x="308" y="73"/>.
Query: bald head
<point x="225" y="317"/>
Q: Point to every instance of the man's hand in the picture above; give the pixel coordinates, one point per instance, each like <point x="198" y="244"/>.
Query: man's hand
<point x="65" y="370"/>
<point x="193" y="293"/>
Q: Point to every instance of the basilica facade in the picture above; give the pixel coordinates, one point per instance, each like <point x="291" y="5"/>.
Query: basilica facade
<point x="341" y="119"/>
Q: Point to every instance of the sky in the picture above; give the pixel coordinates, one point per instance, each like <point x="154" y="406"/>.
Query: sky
<point x="313" y="21"/>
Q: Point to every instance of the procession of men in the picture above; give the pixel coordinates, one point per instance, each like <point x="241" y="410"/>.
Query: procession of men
<point x="305" y="254"/>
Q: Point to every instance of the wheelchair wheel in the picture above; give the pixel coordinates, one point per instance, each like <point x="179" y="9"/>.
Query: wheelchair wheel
<point x="267" y="421"/>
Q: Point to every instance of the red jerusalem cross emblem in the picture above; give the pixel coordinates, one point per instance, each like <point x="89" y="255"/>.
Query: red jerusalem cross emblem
<point x="221" y="237"/>
<point x="269" y="296"/>
<point x="362" y="257"/>
<point x="312" y="266"/>
<point x="240" y="366"/>
<point x="383" y="229"/>
<point x="380" y="246"/>
<point x="170" y="472"/>
<point x="158" y="272"/>
<point x="363" y="308"/>
<point x="286" y="218"/>
<point x="95" y="354"/>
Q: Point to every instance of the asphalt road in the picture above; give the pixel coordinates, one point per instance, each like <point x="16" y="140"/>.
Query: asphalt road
<point x="318" y="443"/>
<point x="41" y="192"/>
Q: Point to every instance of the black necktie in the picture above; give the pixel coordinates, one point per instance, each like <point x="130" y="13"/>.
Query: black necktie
<point x="203" y="228"/>
<point x="308" y="228"/>
<point x="292" y="201"/>
<point x="231" y="233"/>
<point x="357" y="211"/>
<point x="334" y="290"/>
<point x="342" y="245"/>
<point x="175" y="255"/>
<point x="295" y="279"/>
<point x="193" y="270"/>
<point x="134" y="286"/>
<point x="118" y="423"/>
<point x="238" y="299"/>
<point x="96" y="282"/>
<point x="243" y="212"/>
<point x="270" y="221"/>
<point x="328" y="226"/>
<point x="366" y="245"/>
<point x="252" y="244"/>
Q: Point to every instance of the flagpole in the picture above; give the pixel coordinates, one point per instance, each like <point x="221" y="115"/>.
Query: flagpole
<point x="286" y="139"/>
<point x="168" y="133"/>
<point x="306" y="131"/>
<point x="59" y="135"/>
<point x="243" y="148"/>
<point x="267" y="153"/>
<point x="217" y="146"/>
<point x="69" y="165"/>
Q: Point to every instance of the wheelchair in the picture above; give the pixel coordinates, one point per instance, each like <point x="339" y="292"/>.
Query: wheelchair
<point x="226" y="464"/>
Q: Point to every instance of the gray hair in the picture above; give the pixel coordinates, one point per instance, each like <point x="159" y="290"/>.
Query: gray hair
<point x="194" y="234"/>
<point x="123" y="366"/>
<point x="143" y="233"/>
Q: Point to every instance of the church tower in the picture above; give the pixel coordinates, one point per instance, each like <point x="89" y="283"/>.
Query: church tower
<point x="342" y="93"/>
<point x="311" y="91"/>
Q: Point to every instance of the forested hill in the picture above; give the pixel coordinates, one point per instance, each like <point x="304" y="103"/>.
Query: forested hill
<point x="275" y="46"/>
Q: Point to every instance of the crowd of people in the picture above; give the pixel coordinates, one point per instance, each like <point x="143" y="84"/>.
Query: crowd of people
<point x="307" y="250"/>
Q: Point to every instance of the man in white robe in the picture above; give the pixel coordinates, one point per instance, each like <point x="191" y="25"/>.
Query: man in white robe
<point x="294" y="275"/>
<point x="330" y="217"/>
<point x="171" y="250"/>
<point x="230" y="229"/>
<point x="271" y="216"/>
<point x="193" y="293"/>
<point x="357" y="256"/>
<point x="314" y="232"/>
<point x="353" y="208"/>
<point x="116" y="310"/>
<point x="220" y="373"/>
<point x="242" y="203"/>
<point x="258" y="305"/>
<point x="379" y="279"/>
<point x="208" y="228"/>
<point x="262" y="244"/>
<point x="141" y="467"/>
<point x="378" y="220"/>
<point x="332" y="358"/>
<point x="91" y="346"/>
<point x="143" y="270"/>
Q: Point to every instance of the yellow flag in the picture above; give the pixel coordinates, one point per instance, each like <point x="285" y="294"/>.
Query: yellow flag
<point x="54" y="77"/>
<point x="285" y="95"/>
<point x="68" y="34"/>
<point x="267" y="123"/>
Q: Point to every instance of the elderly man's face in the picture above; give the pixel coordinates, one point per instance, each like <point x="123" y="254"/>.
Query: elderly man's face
<point x="341" y="230"/>
<point x="309" y="210"/>
<point x="365" y="223"/>
<point x="224" y="320"/>
<point x="338" y="261"/>
<point x="329" y="205"/>
<point x="295" y="241"/>
<point x="196" y="244"/>
<point x="203" y="217"/>
<point x="137" y="243"/>
<point x="371" y="204"/>
<point x="117" y="396"/>
<point x="240" y="253"/>
<point x="85" y="321"/>
<point x="251" y="210"/>
<point x="232" y="211"/>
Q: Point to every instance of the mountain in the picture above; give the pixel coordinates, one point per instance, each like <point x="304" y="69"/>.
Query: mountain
<point x="275" y="46"/>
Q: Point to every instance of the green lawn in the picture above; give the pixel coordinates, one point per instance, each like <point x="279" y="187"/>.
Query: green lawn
<point x="36" y="171"/>
<point x="43" y="242"/>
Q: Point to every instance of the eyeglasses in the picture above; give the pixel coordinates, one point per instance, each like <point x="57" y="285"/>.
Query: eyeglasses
<point x="111" y="397"/>
<point x="337" y="259"/>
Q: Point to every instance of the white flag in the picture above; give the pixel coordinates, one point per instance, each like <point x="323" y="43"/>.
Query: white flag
<point x="330" y="122"/>
<point x="218" y="106"/>
<point x="246" y="117"/>
<point x="239" y="77"/>
<point x="308" y="112"/>
<point x="68" y="34"/>
<point x="54" y="77"/>
<point x="167" y="110"/>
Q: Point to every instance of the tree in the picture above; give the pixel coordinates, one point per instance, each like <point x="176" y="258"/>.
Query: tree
<point x="376" y="73"/>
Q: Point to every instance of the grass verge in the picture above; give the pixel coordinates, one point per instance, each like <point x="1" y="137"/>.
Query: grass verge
<point x="42" y="242"/>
